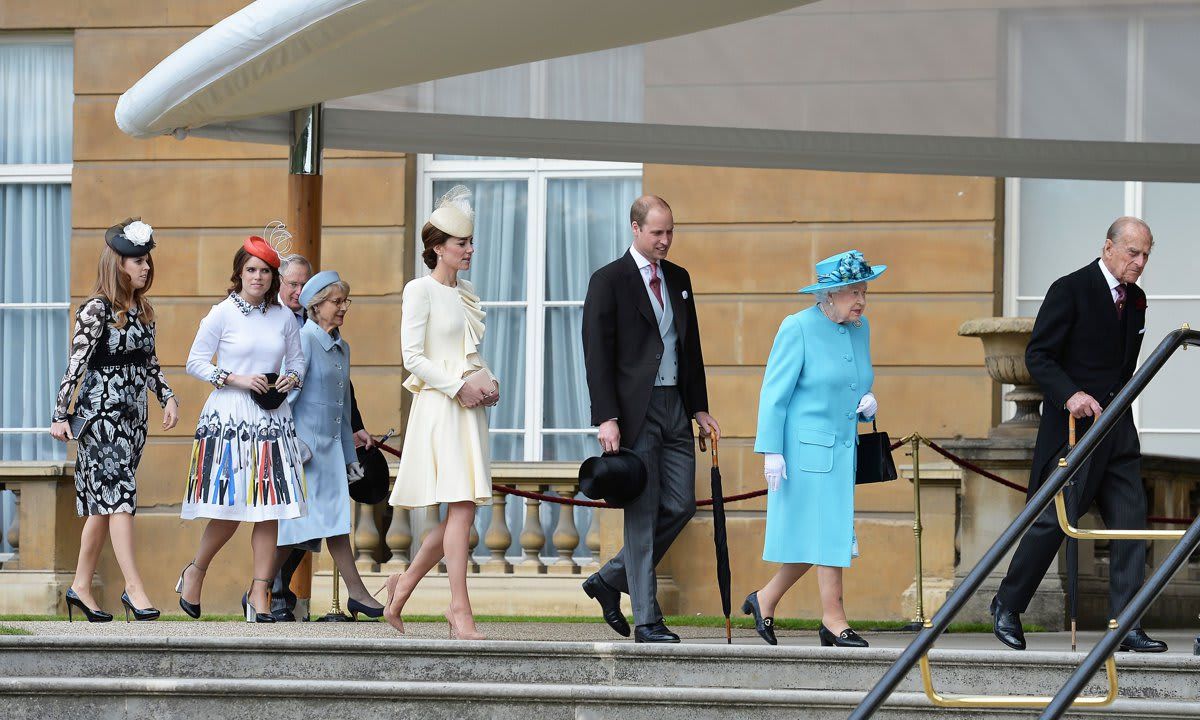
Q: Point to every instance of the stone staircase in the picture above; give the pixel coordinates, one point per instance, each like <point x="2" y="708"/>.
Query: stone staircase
<point x="96" y="678"/>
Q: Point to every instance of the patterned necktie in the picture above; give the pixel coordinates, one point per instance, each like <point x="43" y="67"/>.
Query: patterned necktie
<point x="656" y="285"/>
<point x="1120" y="300"/>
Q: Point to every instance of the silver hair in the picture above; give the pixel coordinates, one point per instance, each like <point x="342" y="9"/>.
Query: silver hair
<point x="822" y="296"/>
<point x="1122" y="226"/>
<point x="323" y="294"/>
<point x="290" y="260"/>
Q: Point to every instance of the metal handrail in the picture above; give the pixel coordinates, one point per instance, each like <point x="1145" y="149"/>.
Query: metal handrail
<point x="1038" y="502"/>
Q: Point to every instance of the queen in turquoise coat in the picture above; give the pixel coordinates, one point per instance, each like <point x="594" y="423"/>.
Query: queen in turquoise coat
<point x="815" y="392"/>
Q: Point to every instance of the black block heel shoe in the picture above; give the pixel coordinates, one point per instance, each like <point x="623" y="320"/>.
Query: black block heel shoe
<point x="252" y="613"/>
<point x="765" y="626"/>
<point x="846" y="638"/>
<point x="73" y="602"/>
<point x="192" y="609"/>
<point x="355" y="608"/>
<point x="150" y="613"/>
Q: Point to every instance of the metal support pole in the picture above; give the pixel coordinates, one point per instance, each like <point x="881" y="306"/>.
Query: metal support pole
<point x="918" y="622"/>
<point x="305" y="181"/>
<point x="1126" y="621"/>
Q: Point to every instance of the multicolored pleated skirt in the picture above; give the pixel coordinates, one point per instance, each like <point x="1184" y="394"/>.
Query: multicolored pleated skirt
<point x="246" y="463"/>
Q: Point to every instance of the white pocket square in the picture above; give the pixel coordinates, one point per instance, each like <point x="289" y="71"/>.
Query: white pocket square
<point x="1142" y="331"/>
<point x="685" y="295"/>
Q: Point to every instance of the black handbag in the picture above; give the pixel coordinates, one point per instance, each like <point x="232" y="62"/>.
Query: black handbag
<point x="875" y="463"/>
<point x="272" y="398"/>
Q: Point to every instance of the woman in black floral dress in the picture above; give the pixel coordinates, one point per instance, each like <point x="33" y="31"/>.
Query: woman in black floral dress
<point x="113" y="350"/>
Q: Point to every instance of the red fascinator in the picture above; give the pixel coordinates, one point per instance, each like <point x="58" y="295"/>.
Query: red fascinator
<point x="261" y="249"/>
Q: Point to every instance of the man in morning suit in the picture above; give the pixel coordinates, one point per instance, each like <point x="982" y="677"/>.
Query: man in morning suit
<point x="645" y="376"/>
<point x="1084" y="348"/>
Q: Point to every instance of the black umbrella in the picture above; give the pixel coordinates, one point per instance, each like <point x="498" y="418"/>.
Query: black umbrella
<point x="720" y="540"/>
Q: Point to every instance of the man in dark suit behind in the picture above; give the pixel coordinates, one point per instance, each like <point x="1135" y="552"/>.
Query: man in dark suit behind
<point x="1084" y="348"/>
<point x="645" y="376"/>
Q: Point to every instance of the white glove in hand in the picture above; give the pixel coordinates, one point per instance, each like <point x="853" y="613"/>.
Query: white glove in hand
<point x="354" y="471"/>
<point x="774" y="470"/>
<point x="868" y="406"/>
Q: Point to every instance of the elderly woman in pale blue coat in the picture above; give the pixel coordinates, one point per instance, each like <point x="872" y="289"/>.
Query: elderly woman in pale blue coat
<point x="321" y="410"/>
<point x="816" y="389"/>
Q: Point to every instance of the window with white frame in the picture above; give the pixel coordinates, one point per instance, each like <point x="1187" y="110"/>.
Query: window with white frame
<point x="1142" y="86"/>
<point x="36" y="94"/>
<point x="541" y="228"/>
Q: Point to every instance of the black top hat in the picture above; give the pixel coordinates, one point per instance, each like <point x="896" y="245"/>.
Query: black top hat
<point x="373" y="487"/>
<point x="125" y="246"/>
<point x="272" y="398"/>
<point x="618" y="479"/>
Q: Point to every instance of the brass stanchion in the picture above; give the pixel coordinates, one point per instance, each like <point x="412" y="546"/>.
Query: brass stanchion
<point x="335" y="613"/>
<point x="918" y="622"/>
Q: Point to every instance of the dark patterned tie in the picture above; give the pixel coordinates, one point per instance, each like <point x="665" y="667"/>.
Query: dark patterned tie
<point x="1120" y="300"/>
<point x="656" y="285"/>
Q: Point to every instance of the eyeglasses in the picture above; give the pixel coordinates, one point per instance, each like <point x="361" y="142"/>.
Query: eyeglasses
<point x="341" y="303"/>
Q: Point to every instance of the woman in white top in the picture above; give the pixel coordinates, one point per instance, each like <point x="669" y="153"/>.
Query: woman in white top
<point x="246" y="463"/>
<point x="445" y="458"/>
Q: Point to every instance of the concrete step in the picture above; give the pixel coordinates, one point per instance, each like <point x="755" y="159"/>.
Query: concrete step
<point x="1173" y="677"/>
<point x="101" y="699"/>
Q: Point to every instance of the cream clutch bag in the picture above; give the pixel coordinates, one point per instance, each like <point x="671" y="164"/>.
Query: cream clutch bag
<point x="476" y="376"/>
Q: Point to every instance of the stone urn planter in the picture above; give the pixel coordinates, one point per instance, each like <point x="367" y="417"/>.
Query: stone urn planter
<point x="1004" y="340"/>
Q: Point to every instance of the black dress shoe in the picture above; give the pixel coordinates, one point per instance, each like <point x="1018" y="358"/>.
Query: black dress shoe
<point x="96" y="616"/>
<point x="1006" y="625"/>
<point x="765" y="626"/>
<point x="1138" y="641"/>
<point x="150" y="613"/>
<point x="283" y="615"/>
<point x="610" y="602"/>
<point x="846" y="638"/>
<point x="354" y="607"/>
<point x="654" y="633"/>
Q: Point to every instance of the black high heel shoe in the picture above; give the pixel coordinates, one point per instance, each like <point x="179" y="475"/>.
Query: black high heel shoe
<point x="846" y="638"/>
<point x="252" y="613"/>
<point x="354" y="607"/>
<point x="150" y="613"/>
<point x="73" y="602"/>
<point x="192" y="609"/>
<point x="765" y="626"/>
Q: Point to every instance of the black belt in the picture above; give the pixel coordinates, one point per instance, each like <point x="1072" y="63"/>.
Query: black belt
<point x="105" y="359"/>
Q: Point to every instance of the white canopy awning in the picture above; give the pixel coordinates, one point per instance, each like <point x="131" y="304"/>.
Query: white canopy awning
<point x="1069" y="88"/>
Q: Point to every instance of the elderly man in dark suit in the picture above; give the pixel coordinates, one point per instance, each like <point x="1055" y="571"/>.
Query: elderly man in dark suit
<point x="645" y="375"/>
<point x="1084" y="348"/>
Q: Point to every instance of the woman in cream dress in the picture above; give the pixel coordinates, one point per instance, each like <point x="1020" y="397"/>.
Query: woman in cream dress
<point x="445" y="458"/>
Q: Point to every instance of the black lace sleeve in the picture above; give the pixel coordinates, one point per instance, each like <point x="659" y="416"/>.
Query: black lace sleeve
<point x="155" y="380"/>
<point x="90" y="323"/>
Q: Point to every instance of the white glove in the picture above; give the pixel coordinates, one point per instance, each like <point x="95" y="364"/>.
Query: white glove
<point x="774" y="470"/>
<point x="868" y="406"/>
<point x="354" y="471"/>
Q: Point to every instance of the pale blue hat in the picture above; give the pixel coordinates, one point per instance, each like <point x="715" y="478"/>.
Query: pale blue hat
<point x="843" y="269"/>
<point x="316" y="284"/>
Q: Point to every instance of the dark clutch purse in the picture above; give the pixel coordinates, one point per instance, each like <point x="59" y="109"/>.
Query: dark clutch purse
<point x="272" y="398"/>
<point x="875" y="463"/>
<point x="77" y="424"/>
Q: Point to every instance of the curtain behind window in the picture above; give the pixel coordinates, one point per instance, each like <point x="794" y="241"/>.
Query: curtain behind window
<point x="35" y="228"/>
<point x="587" y="227"/>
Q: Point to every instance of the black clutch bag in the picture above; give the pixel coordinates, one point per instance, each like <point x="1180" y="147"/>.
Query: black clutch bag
<point x="77" y="424"/>
<point x="272" y="398"/>
<point x="875" y="463"/>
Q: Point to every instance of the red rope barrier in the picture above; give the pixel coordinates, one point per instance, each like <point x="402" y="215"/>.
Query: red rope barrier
<point x="966" y="464"/>
<point x="961" y="462"/>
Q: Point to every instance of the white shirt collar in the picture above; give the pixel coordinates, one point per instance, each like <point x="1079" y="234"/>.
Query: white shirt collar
<point x="1112" y="281"/>
<point x="638" y="258"/>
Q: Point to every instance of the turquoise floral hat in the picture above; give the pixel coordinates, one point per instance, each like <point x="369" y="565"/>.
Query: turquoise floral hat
<point x="843" y="269"/>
